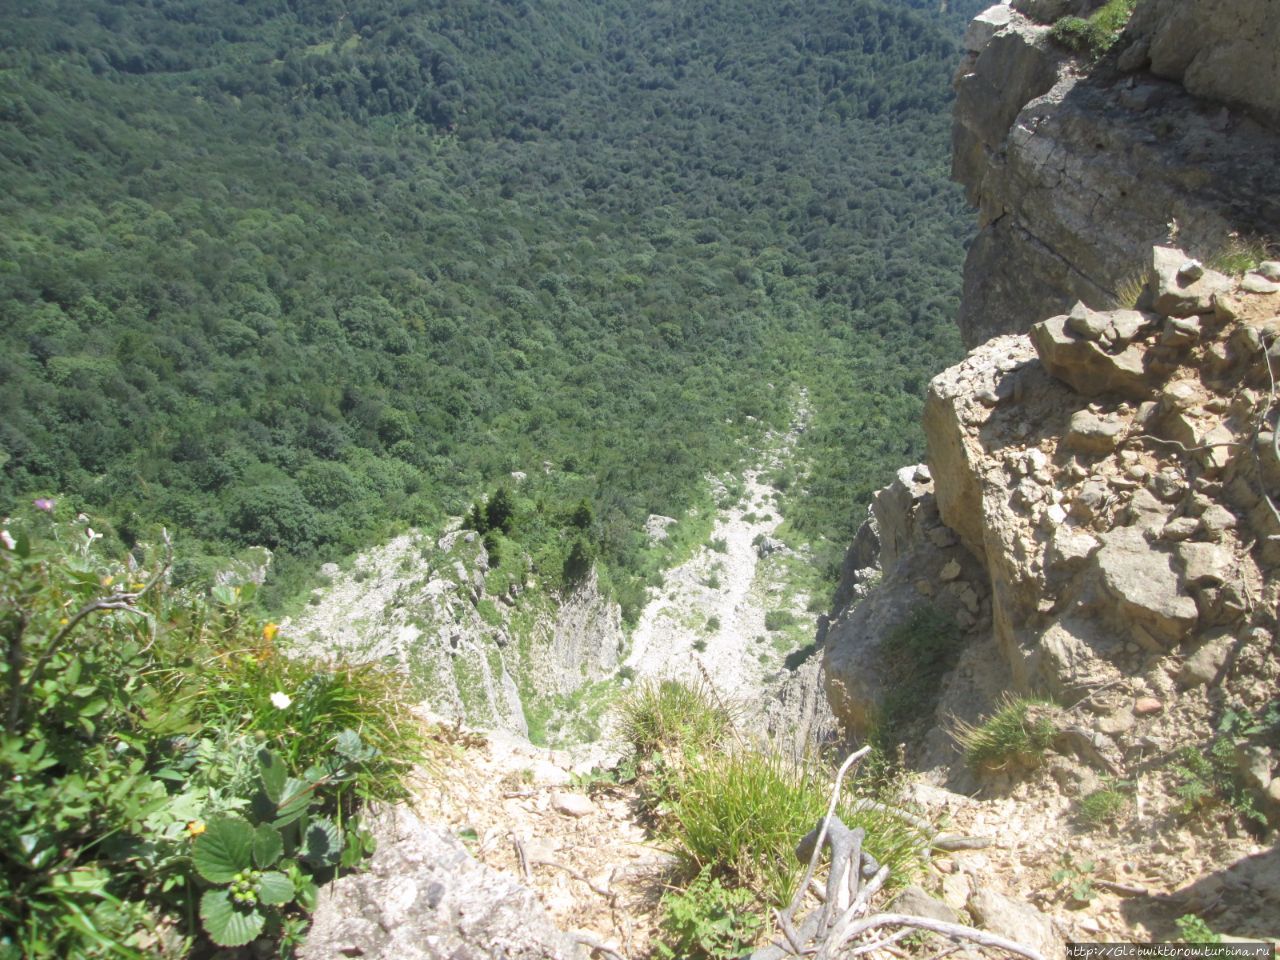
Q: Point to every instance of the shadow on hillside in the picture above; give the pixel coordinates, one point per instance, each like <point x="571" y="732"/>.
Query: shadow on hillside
<point x="1242" y="900"/>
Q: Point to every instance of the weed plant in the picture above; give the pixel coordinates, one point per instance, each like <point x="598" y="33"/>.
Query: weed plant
<point x="1016" y="735"/>
<point x="169" y="778"/>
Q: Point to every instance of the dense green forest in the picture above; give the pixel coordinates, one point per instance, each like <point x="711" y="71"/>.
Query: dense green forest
<point x="297" y="272"/>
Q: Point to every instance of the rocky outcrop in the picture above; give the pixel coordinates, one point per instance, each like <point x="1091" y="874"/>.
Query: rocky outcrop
<point x="920" y="561"/>
<point x="422" y="897"/>
<point x="1078" y="173"/>
<point x="1223" y="50"/>
<point x="476" y="642"/>
<point x="1124" y="526"/>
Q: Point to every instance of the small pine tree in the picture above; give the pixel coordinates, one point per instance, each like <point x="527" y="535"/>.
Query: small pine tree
<point x="577" y="564"/>
<point x="500" y="511"/>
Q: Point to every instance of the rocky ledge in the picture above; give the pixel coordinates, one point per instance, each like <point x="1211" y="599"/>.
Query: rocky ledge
<point x="1100" y="508"/>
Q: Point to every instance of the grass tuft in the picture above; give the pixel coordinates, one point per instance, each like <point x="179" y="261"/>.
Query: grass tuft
<point x="665" y="715"/>
<point x="1016" y="735"/>
<point x="740" y="814"/>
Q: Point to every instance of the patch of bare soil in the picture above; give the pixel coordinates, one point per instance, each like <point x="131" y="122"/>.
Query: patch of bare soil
<point x="521" y="809"/>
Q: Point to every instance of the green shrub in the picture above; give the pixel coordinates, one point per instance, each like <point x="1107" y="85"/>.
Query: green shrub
<point x="778" y="619"/>
<point x="138" y="722"/>
<point x="1192" y="929"/>
<point x="1096" y="35"/>
<point x="1016" y="735"/>
<point x="707" y="920"/>
<point x="661" y="715"/>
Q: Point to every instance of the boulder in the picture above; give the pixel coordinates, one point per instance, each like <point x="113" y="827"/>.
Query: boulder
<point x="915" y="902"/>
<point x="1142" y="579"/>
<point x="1180" y="290"/>
<point x="1094" y="433"/>
<point x="1088" y="368"/>
<point x="1015" y="920"/>
<point x="422" y="897"/>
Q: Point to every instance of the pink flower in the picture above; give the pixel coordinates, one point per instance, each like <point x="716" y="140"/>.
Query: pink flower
<point x="44" y="504"/>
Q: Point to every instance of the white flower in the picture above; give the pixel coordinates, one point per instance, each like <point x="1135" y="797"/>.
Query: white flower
<point x="280" y="700"/>
<point x="8" y="540"/>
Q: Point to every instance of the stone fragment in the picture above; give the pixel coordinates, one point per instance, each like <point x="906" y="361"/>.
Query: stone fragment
<point x="914" y="902"/>
<point x="1089" y="432"/>
<point x="950" y="570"/>
<point x="1167" y="485"/>
<point x="955" y="890"/>
<point x="1180" y="331"/>
<point x="1216" y="520"/>
<point x="1269" y="269"/>
<point x="1069" y="548"/>
<point x="1089" y="499"/>
<point x="1113" y="723"/>
<point x="1190" y="271"/>
<point x="1206" y="663"/>
<point x="1183" y="528"/>
<point x="1176" y="295"/>
<point x="1146" y="512"/>
<point x="1257" y="283"/>
<point x="1143" y="581"/>
<point x="1204" y="563"/>
<point x="1127" y="324"/>
<point x="572" y="804"/>
<point x="1087" y="323"/>
<point x="1014" y="920"/>
<point x="1146" y="706"/>
<point x="1255" y="764"/>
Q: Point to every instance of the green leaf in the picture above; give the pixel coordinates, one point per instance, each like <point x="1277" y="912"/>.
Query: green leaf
<point x="228" y="925"/>
<point x="272" y="770"/>
<point x="321" y="843"/>
<point x="275" y="888"/>
<point x="224" y="594"/>
<point x="349" y="744"/>
<point x="267" y="845"/>
<point x="296" y="796"/>
<point x="224" y="849"/>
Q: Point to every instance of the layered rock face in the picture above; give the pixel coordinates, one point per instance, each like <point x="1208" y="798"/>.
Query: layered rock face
<point x="1077" y="174"/>
<point x="1113" y="478"/>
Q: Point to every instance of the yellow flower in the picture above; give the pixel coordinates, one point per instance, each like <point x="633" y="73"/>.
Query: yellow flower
<point x="63" y="621"/>
<point x="195" y="828"/>
<point x="107" y="581"/>
<point x="269" y="631"/>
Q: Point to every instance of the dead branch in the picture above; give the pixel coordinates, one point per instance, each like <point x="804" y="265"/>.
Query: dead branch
<point x="596" y="945"/>
<point x="595" y="888"/>
<point x="955" y="930"/>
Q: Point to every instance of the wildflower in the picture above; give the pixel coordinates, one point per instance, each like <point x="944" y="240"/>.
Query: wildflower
<point x="43" y="503"/>
<point x="92" y="534"/>
<point x="280" y="700"/>
<point x="8" y="540"/>
<point x="195" y="828"/>
<point x="269" y="631"/>
<point x="107" y="581"/>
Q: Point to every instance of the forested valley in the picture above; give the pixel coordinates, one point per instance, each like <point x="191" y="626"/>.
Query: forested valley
<point x="298" y="273"/>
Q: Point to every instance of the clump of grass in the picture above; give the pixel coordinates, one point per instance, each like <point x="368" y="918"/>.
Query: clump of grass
<point x="1016" y="735"/>
<point x="1096" y="35"/>
<point x="663" y="715"/>
<point x="1238" y="255"/>
<point x="739" y="815"/>
<point x="1129" y="291"/>
<point x="1101" y="807"/>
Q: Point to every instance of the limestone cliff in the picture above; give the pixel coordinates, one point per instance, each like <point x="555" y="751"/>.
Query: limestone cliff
<point x="1079" y="170"/>
<point x="1099" y="512"/>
